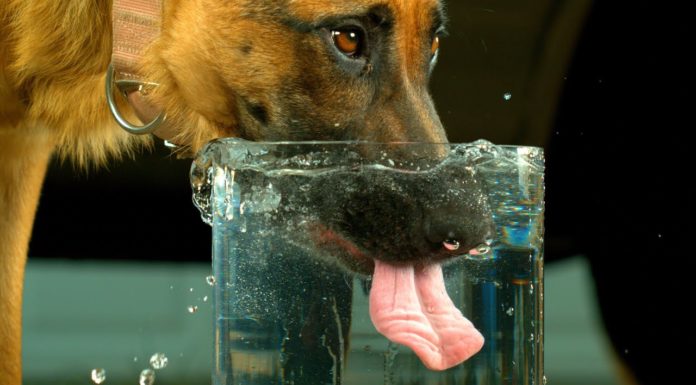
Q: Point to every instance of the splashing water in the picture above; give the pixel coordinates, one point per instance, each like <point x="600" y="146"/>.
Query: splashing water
<point x="98" y="375"/>
<point x="147" y="377"/>
<point x="158" y="361"/>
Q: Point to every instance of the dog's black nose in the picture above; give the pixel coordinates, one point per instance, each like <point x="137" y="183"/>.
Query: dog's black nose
<point x="403" y="216"/>
<point x="456" y="230"/>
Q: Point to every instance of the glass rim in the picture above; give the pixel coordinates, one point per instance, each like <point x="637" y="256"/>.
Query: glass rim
<point x="239" y="141"/>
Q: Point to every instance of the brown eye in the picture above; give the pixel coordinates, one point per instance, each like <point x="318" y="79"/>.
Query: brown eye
<point x="435" y="46"/>
<point x="349" y="41"/>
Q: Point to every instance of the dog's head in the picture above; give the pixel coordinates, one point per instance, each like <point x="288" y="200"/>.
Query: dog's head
<point x="299" y="70"/>
<point x="325" y="70"/>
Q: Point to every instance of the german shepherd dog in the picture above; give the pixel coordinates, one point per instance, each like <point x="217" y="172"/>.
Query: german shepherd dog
<point x="254" y="69"/>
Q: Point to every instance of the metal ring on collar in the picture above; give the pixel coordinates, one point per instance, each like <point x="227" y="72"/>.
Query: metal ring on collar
<point x="126" y="87"/>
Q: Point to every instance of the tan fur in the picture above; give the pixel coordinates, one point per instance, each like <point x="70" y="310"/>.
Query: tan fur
<point x="260" y="69"/>
<point x="23" y="162"/>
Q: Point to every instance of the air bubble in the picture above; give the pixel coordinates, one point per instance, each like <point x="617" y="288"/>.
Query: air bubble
<point x="147" y="377"/>
<point x="507" y="96"/>
<point x="510" y="311"/>
<point x="210" y="280"/>
<point x="192" y="309"/>
<point x="98" y="375"/>
<point x="159" y="361"/>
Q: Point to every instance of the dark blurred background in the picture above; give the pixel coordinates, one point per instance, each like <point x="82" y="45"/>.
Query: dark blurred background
<point x="605" y="87"/>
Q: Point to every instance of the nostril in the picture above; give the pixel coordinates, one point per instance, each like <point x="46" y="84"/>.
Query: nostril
<point x="451" y="244"/>
<point x="481" y="249"/>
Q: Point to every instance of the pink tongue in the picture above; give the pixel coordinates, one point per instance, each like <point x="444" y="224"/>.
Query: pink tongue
<point x="410" y="306"/>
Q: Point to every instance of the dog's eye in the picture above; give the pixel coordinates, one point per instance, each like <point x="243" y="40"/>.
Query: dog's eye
<point x="348" y="41"/>
<point x="435" y="46"/>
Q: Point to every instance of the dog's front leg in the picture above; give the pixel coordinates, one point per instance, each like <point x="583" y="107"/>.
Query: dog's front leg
<point x="24" y="156"/>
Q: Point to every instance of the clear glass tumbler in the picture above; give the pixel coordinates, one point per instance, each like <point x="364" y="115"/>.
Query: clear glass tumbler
<point x="372" y="263"/>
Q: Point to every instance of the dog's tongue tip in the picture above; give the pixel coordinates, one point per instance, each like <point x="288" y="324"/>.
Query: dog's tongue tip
<point x="410" y="306"/>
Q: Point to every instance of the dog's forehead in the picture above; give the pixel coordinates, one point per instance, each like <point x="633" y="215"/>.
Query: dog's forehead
<point x="408" y="11"/>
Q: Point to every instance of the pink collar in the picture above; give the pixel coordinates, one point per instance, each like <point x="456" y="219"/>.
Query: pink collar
<point x="135" y="24"/>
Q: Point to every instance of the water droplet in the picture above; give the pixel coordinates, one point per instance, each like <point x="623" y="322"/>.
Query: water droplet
<point x="507" y="96"/>
<point x="171" y="287"/>
<point x="147" y="377"/>
<point x="659" y="235"/>
<point x="159" y="361"/>
<point x="510" y="311"/>
<point x="135" y="359"/>
<point x="210" y="280"/>
<point x="191" y="290"/>
<point x="98" y="375"/>
<point x="205" y="298"/>
<point x="192" y="309"/>
<point x="543" y="380"/>
<point x="451" y="244"/>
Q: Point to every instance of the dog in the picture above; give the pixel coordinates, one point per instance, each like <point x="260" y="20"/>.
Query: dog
<point x="253" y="69"/>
